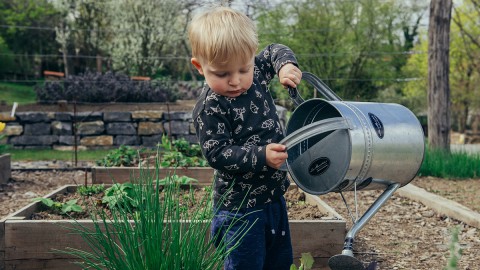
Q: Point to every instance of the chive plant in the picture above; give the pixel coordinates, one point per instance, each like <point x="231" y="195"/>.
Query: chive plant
<point x="439" y="163"/>
<point x="150" y="230"/>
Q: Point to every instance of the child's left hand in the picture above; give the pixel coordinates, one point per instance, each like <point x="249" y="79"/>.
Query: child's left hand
<point x="290" y="75"/>
<point x="276" y="155"/>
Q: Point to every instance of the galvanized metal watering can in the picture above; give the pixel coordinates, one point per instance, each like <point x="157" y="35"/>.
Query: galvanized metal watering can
<point x="336" y="146"/>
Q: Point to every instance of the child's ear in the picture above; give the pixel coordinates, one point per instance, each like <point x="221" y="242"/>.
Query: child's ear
<point x="198" y="66"/>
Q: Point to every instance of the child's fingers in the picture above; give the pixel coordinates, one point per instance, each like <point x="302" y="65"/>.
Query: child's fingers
<point x="290" y="75"/>
<point x="277" y="147"/>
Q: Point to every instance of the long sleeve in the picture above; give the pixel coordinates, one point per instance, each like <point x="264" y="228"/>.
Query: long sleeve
<point x="233" y="132"/>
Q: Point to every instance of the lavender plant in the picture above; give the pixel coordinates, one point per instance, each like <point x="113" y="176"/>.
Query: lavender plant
<point x="96" y="87"/>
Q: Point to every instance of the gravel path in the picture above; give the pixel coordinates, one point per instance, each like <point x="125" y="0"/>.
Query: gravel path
<point x="408" y="235"/>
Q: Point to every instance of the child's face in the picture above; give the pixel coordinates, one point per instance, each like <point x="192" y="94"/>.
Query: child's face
<point x="230" y="80"/>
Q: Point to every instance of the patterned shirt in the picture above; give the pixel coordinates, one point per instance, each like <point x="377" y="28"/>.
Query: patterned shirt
<point x="233" y="134"/>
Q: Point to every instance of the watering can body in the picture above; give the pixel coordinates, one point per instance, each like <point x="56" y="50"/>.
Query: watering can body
<point x="372" y="146"/>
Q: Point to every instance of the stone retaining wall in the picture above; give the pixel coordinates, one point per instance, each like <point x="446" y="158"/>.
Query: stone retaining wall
<point x="97" y="130"/>
<point x="32" y="130"/>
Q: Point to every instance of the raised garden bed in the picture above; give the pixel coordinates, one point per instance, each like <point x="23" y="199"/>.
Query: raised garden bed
<point x="109" y="175"/>
<point x="28" y="244"/>
<point x="5" y="168"/>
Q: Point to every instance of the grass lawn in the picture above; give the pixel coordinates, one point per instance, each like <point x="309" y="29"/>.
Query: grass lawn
<point x="22" y="94"/>
<point x="46" y="154"/>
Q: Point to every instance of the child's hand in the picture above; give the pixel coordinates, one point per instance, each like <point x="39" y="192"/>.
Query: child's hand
<point x="290" y="75"/>
<point x="276" y="155"/>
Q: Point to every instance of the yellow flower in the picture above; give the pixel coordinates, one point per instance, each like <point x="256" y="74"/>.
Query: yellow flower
<point x="2" y="126"/>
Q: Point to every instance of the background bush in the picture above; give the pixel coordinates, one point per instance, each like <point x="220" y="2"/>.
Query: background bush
<point x="95" y="87"/>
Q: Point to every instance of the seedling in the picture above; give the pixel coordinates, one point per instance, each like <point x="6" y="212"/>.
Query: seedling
<point x="62" y="208"/>
<point x="306" y="262"/>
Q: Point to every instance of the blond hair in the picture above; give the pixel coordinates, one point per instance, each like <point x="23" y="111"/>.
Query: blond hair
<point x="222" y="34"/>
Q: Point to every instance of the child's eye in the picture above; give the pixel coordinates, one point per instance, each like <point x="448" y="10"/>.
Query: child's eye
<point x="220" y="75"/>
<point x="244" y="71"/>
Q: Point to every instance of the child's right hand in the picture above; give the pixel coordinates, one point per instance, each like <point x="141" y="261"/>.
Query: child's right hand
<point x="276" y="155"/>
<point x="290" y="75"/>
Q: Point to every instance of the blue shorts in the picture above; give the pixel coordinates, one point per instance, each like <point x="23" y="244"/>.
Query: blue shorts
<point x="266" y="245"/>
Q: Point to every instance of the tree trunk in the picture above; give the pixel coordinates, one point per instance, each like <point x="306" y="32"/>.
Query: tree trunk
<point x="438" y="74"/>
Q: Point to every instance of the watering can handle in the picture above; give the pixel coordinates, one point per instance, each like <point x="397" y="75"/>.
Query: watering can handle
<point x="318" y="84"/>
<point x="315" y="128"/>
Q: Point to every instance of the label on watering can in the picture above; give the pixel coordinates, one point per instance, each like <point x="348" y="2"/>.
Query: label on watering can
<point x="319" y="166"/>
<point x="377" y="125"/>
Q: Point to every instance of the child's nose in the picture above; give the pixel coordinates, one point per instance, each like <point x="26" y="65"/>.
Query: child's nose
<point x="234" y="80"/>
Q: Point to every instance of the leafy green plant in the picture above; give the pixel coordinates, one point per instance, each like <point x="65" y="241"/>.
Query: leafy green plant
<point x="180" y="153"/>
<point x="455" y="251"/>
<point x="190" y="150"/>
<point x="176" y="153"/>
<point x="177" y="159"/>
<point x="119" y="194"/>
<point x="306" y="262"/>
<point x="62" y="208"/>
<point x="123" y="156"/>
<point x="90" y="190"/>
<point x="178" y="180"/>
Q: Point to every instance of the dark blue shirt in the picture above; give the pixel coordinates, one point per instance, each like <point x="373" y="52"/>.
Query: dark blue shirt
<point x="233" y="134"/>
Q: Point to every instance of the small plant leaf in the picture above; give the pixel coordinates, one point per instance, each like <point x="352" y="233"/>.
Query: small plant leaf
<point x="46" y="201"/>
<point x="307" y="260"/>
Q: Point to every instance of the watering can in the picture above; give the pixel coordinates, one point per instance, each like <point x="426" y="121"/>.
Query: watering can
<point x="336" y="146"/>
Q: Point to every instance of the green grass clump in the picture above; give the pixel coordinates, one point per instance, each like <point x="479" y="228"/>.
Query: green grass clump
<point x="151" y="230"/>
<point x="439" y="163"/>
<point x="22" y="94"/>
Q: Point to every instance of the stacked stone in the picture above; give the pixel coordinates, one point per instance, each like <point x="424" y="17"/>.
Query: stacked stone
<point x="31" y="130"/>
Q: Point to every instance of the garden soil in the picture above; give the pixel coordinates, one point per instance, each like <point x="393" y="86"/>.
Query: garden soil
<point x="403" y="234"/>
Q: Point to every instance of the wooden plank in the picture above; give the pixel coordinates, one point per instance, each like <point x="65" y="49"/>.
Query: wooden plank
<point x="320" y="263"/>
<point x="320" y="238"/>
<point x="33" y="264"/>
<point x="5" y="168"/>
<point x="2" y="244"/>
<point x="104" y="175"/>
<point x="29" y="239"/>
<point x="441" y="205"/>
<point x="36" y="239"/>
